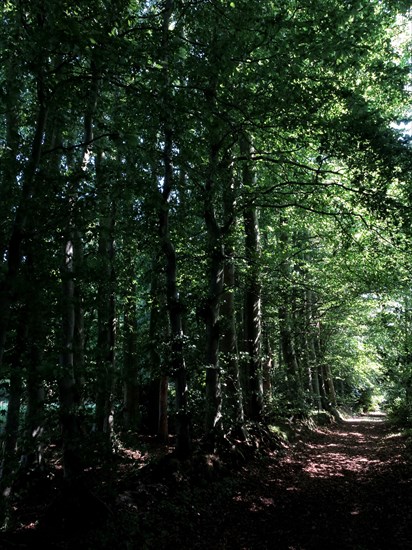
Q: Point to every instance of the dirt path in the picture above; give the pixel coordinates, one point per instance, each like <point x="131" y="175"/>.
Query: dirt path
<point x="349" y="488"/>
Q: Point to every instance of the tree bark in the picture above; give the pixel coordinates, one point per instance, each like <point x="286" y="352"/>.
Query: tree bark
<point x="106" y="307"/>
<point x="177" y="362"/>
<point x="252" y="307"/>
<point x="215" y="253"/>
<point x="70" y="378"/>
<point x="286" y="325"/>
<point x="23" y="211"/>
<point x="69" y="394"/>
<point x="163" y="424"/>
<point x="233" y="399"/>
<point x="131" y="390"/>
<point x="311" y="350"/>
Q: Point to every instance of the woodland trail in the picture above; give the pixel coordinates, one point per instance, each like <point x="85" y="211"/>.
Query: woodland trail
<point x="349" y="487"/>
<point x="345" y="487"/>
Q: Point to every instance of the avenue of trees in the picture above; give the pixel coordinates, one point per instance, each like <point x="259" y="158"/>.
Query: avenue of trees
<point x="205" y="212"/>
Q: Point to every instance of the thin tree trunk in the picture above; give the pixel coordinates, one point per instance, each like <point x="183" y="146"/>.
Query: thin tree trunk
<point x="157" y="335"/>
<point x="33" y="451"/>
<point x="69" y="394"/>
<point x="163" y="425"/>
<point x="79" y="336"/>
<point x="34" y="420"/>
<point x="9" y="463"/>
<point x="23" y="211"/>
<point x="285" y="325"/>
<point x="330" y="386"/>
<point x="10" y="165"/>
<point x="216" y="258"/>
<point x="267" y="369"/>
<point x="213" y="414"/>
<point x="320" y="370"/>
<point x="233" y="399"/>
<point x="15" y="393"/>
<point x="178" y="366"/>
<point x="131" y="390"/>
<point x="70" y="379"/>
<point x="252" y="308"/>
<point x="313" y="360"/>
<point x="106" y="310"/>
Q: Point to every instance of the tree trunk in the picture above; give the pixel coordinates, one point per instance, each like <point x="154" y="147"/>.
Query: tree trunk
<point x="35" y="386"/>
<point x="290" y="360"/>
<point x="157" y="336"/>
<point x="213" y="414"/>
<point x="215" y="253"/>
<point x="233" y="399"/>
<point x="320" y="369"/>
<point x="131" y="390"/>
<point x="69" y="380"/>
<point x="311" y="350"/>
<point x="9" y="463"/>
<point x="35" y="407"/>
<point x="177" y="362"/>
<point x="267" y="369"/>
<point x="252" y="308"/>
<point x="12" y="425"/>
<point x="163" y="425"/>
<point x="69" y="394"/>
<point x="79" y="337"/>
<point x="106" y="308"/>
<point x="10" y="164"/>
<point x="23" y="211"/>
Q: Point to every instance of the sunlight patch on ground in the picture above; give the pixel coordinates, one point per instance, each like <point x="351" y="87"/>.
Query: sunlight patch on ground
<point x="393" y="435"/>
<point x="261" y="504"/>
<point x="377" y="418"/>
<point x="338" y="465"/>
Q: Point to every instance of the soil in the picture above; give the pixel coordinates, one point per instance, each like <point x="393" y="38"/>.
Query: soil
<point x="349" y="487"/>
<point x="345" y="486"/>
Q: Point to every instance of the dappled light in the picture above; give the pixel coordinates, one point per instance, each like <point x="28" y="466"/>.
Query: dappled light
<point x="352" y="478"/>
<point x="205" y="274"/>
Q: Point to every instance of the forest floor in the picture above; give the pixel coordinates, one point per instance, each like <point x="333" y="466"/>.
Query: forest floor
<point x="345" y="486"/>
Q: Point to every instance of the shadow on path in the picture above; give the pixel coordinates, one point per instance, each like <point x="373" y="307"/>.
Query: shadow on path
<point x="349" y="487"/>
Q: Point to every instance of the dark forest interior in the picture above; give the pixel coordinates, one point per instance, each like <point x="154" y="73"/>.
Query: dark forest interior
<point x="205" y="308"/>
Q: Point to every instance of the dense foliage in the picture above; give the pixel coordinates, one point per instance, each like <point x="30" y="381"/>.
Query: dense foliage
<point x="204" y="219"/>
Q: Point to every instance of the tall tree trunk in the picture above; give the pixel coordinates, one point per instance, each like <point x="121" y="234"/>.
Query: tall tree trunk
<point x="157" y="334"/>
<point x="70" y="378"/>
<point x="79" y="335"/>
<point x="69" y="393"/>
<point x="163" y="424"/>
<point x="330" y="386"/>
<point x="286" y="324"/>
<point x="177" y="362"/>
<point x="33" y="451"/>
<point x="36" y="340"/>
<point x="311" y="350"/>
<point x="215" y="254"/>
<point x="11" y="431"/>
<point x="106" y="308"/>
<point x="23" y="211"/>
<point x="320" y="370"/>
<point x="233" y="399"/>
<point x="178" y="366"/>
<point x="252" y="308"/>
<point x="10" y="164"/>
<point x="131" y="391"/>
<point x="267" y="368"/>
